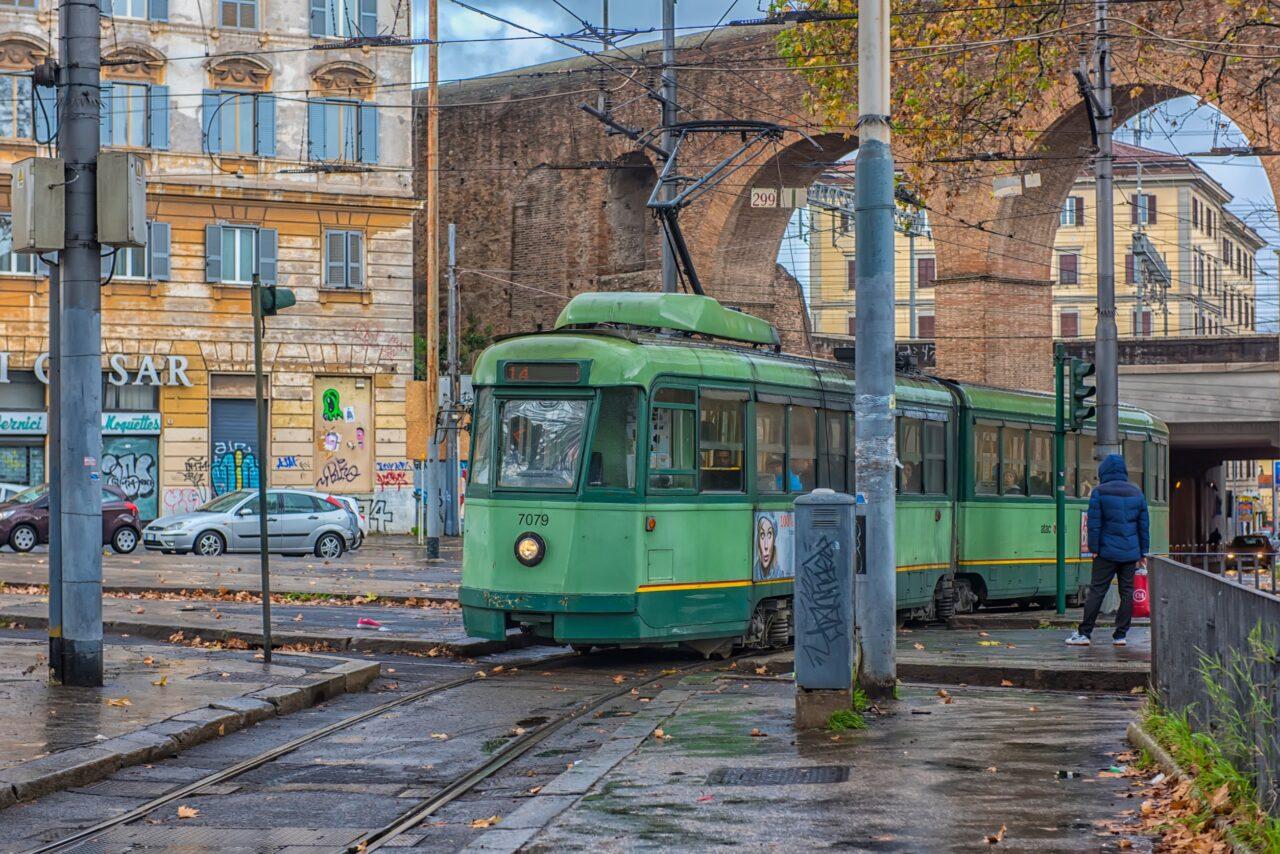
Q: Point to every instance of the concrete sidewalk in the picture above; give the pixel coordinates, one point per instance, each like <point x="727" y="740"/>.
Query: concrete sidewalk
<point x="715" y="764"/>
<point x="420" y="630"/>
<point x="158" y="700"/>
<point x="393" y="568"/>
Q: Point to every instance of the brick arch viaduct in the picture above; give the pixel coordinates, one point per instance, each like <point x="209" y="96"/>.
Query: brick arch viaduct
<point x="549" y="205"/>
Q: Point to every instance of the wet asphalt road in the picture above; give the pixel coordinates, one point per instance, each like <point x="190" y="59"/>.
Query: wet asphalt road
<point x="326" y="794"/>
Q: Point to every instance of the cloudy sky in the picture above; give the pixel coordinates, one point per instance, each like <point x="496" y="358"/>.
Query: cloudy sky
<point x="1177" y="126"/>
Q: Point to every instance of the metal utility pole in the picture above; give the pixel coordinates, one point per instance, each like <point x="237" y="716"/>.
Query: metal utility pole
<point x="1139" y="327"/>
<point x="1060" y="478"/>
<point x="911" y="279"/>
<point x="876" y="598"/>
<point x="1105" y="349"/>
<point x="454" y="369"/>
<point x="79" y="659"/>
<point x="264" y="559"/>
<point x="669" y="118"/>
<point x="55" y="453"/>
<point x="432" y="312"/>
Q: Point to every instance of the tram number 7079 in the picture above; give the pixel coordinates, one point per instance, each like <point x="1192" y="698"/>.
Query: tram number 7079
<point x="535" y="519"/>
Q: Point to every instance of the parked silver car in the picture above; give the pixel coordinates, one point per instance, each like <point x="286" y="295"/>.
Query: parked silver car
<point x="298" y="522"/>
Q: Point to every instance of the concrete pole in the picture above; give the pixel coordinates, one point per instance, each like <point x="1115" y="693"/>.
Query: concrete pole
<point x="432" y="313"/>
<point x="876" y="598"/>
<point x="669" y="118"/>
<point x="80" y="351"/>
<point x="432" y="510"/>
<point x="1105" y="350"/>
<point x="55" y="488"/>
<point x="455" y="387"/>
<point x="1139" y="328"/>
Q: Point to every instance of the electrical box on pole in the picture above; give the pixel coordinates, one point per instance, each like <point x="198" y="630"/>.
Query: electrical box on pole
<point x="122" y="199"/>
<point x="1081" y="402"/>
<point x="38" y="204"/>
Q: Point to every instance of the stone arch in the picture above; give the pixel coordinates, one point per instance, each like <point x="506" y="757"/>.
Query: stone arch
<point x="631" y="229"/>
<point x="22" y="50"/>
<point x="239" y="72"/>
<point x="345" y="78"/>
<point x="134" y="60"/>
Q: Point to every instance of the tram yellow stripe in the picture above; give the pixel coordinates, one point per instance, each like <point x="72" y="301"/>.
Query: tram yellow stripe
<point x="1025" y="560"/>
<point x="695" y="585"/>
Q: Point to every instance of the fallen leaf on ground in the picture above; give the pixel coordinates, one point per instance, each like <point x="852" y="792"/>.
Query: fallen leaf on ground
<point x="992" y="769"/>
<point x="298" y="619"/>
<point x="756" y="733"/>
<point x="485" y="822"/>
<point x="1137" y="689"/>
<point x="762" y="671"/>
<point x="918" y="645"/>
<point x="660" y="734"/>
<point x="1220" y="798"/>
<point x="118" y="701"/>
<point x="162" y="681"/>
<point x="617" y="680"/>
<point x="1032" y="709"/>
<point x="984" y="634"/>
<point x="535" y="790"/>
<point x="706" y="799"/>
<point x="1005" y="683"/>
<point x="148" y="661"/>
<point x="997" y="837"/>
<point x="988" y="643"/>
<point x="440" y="736"/>
<point x="187" y="812"/>
<point x="498" y="669"/>
<point x="480" y="674"/>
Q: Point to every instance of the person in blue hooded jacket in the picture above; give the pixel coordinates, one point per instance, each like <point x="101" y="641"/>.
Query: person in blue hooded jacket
<point x="1119" y="538"/>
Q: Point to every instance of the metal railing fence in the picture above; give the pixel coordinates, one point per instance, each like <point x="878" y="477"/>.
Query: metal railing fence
<point x="1249" y="569"/>
<point x="1215" y="646"/>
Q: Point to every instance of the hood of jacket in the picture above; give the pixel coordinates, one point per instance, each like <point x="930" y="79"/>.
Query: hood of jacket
<point x="1112" y="468"/>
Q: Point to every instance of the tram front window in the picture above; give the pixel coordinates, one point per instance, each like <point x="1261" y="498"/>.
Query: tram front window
<point x="540" y="445"/>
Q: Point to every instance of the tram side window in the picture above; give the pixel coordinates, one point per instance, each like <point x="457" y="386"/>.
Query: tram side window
<point x="831" y="473"/>
<point x="910" y="457"/>
<point x="1041" y="463"/>
<point x="1069" y="481"/>
<point x="771" y="447"/>
<point x="720" y="442"/>
<point x="935" y="457"/>
<point x="987" y="456"/>
<point x="1133" y="453"/>
<point x="672" y="435"/>
<point x="802" y="445"/>
<point x="482" y="419"/>
<point x="612" y="464"/>
<point x="1013" y="458"/>
<point x="1088" y="466"/>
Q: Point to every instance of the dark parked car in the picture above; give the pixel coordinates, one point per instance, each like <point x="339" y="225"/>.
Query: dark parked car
<point x="1247" y="546"/>
<point x="24" y="519"/>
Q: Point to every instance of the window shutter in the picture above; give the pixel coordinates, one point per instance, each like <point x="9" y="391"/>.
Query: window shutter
<point x="925" y="326"/>
<point x="368" y="17"/>
<point x="1078" y="202"/>
<point x="158" y="117"/>
<point x="852" y="267"/>
<point x="267" y="247"/>
<point x="355" y="259"/>
<point x="1069" y="324"/>
<point x="211" y="129"/>
<point x="158" y="251"/>
<point x="319" y="18"/>
<point x="853" y="326"/>
<point x="266" y="115"/>
<point x="46" y="118"/>
<point x="158" y="10"/>
<point x="213" y="253"/>
<point x="1134" y="204"/>
<point x="104" y="127"/>
<point x="1129" y="271"/>
<point x="335" y="252"/>
<point x="315" y="131"/>
<point x="368" y="133"/>
<point x="926" y="269"/>
<point x="1151" y="210"/>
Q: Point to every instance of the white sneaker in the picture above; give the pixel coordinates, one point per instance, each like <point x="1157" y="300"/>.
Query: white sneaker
<point x="1119" y="642"/>
<point x="1078" y="639"/>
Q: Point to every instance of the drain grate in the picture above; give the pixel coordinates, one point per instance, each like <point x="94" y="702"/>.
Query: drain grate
<point x="778" y="776"/>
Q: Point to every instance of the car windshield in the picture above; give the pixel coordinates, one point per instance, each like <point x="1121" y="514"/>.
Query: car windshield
<point x="223" y="503"/>
<point x="30" y="496"/>
<point x="540" y="444"/>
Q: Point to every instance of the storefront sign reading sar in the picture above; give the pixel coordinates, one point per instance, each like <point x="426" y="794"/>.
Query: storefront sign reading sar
<point x="157" y="370"/>
<point x="14" y="423"/>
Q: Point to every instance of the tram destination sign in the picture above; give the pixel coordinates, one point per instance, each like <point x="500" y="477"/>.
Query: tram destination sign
<point x="560" y="373"/>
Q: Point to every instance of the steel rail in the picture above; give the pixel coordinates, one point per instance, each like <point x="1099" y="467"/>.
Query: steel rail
<point x="261" y="759"/>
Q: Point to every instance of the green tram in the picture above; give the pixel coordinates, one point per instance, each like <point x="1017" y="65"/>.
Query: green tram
<point x="582" y="530"/>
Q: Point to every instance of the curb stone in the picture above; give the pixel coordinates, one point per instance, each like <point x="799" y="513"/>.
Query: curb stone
<point x="1140" y="738"/>
<point x="80" y="766"/>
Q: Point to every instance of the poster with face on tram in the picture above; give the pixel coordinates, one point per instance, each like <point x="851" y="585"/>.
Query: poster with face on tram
<point x="772" y="542"/>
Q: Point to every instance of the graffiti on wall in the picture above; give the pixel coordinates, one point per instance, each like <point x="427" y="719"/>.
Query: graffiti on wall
<point x="234" y="467"/>
<point x="391" y="345"/>
<point x="290" y="463"/>
<point x="182" y="499"/>
<point x="337" y="472"/>
<point x="343" y="459"/>
<point x="393" y="475"/>
<point x="134" y="473"/>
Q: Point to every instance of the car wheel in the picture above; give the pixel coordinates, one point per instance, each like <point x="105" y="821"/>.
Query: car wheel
<point x="329" y="546"/>
<point x="210" y="544"/>
<point x="23" y="538"/>
<point x="124" y="540"/>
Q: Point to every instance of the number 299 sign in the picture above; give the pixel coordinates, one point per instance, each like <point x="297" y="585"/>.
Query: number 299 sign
<point x="764" y="197"/>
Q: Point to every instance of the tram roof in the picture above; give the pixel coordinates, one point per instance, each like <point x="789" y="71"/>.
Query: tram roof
<point x="681" y="312"/>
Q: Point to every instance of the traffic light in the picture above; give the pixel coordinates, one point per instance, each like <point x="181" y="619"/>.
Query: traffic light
<point x="1080" y="407"/>
<point x="276" y="298"/>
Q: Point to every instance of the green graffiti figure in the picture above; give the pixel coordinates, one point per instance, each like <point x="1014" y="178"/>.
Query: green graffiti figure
<point x="332" y="405"/>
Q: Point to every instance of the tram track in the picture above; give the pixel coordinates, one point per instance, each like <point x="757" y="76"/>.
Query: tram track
<point x="407" y="820"/>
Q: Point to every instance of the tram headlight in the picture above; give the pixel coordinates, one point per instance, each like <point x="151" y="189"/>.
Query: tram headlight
<point x="530" y="548"/>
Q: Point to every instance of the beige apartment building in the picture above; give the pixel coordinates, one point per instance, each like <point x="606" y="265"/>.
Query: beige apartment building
<point x="1209" y="287"/>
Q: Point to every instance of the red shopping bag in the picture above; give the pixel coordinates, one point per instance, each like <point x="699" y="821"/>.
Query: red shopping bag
<point x="1141" y="596"/>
